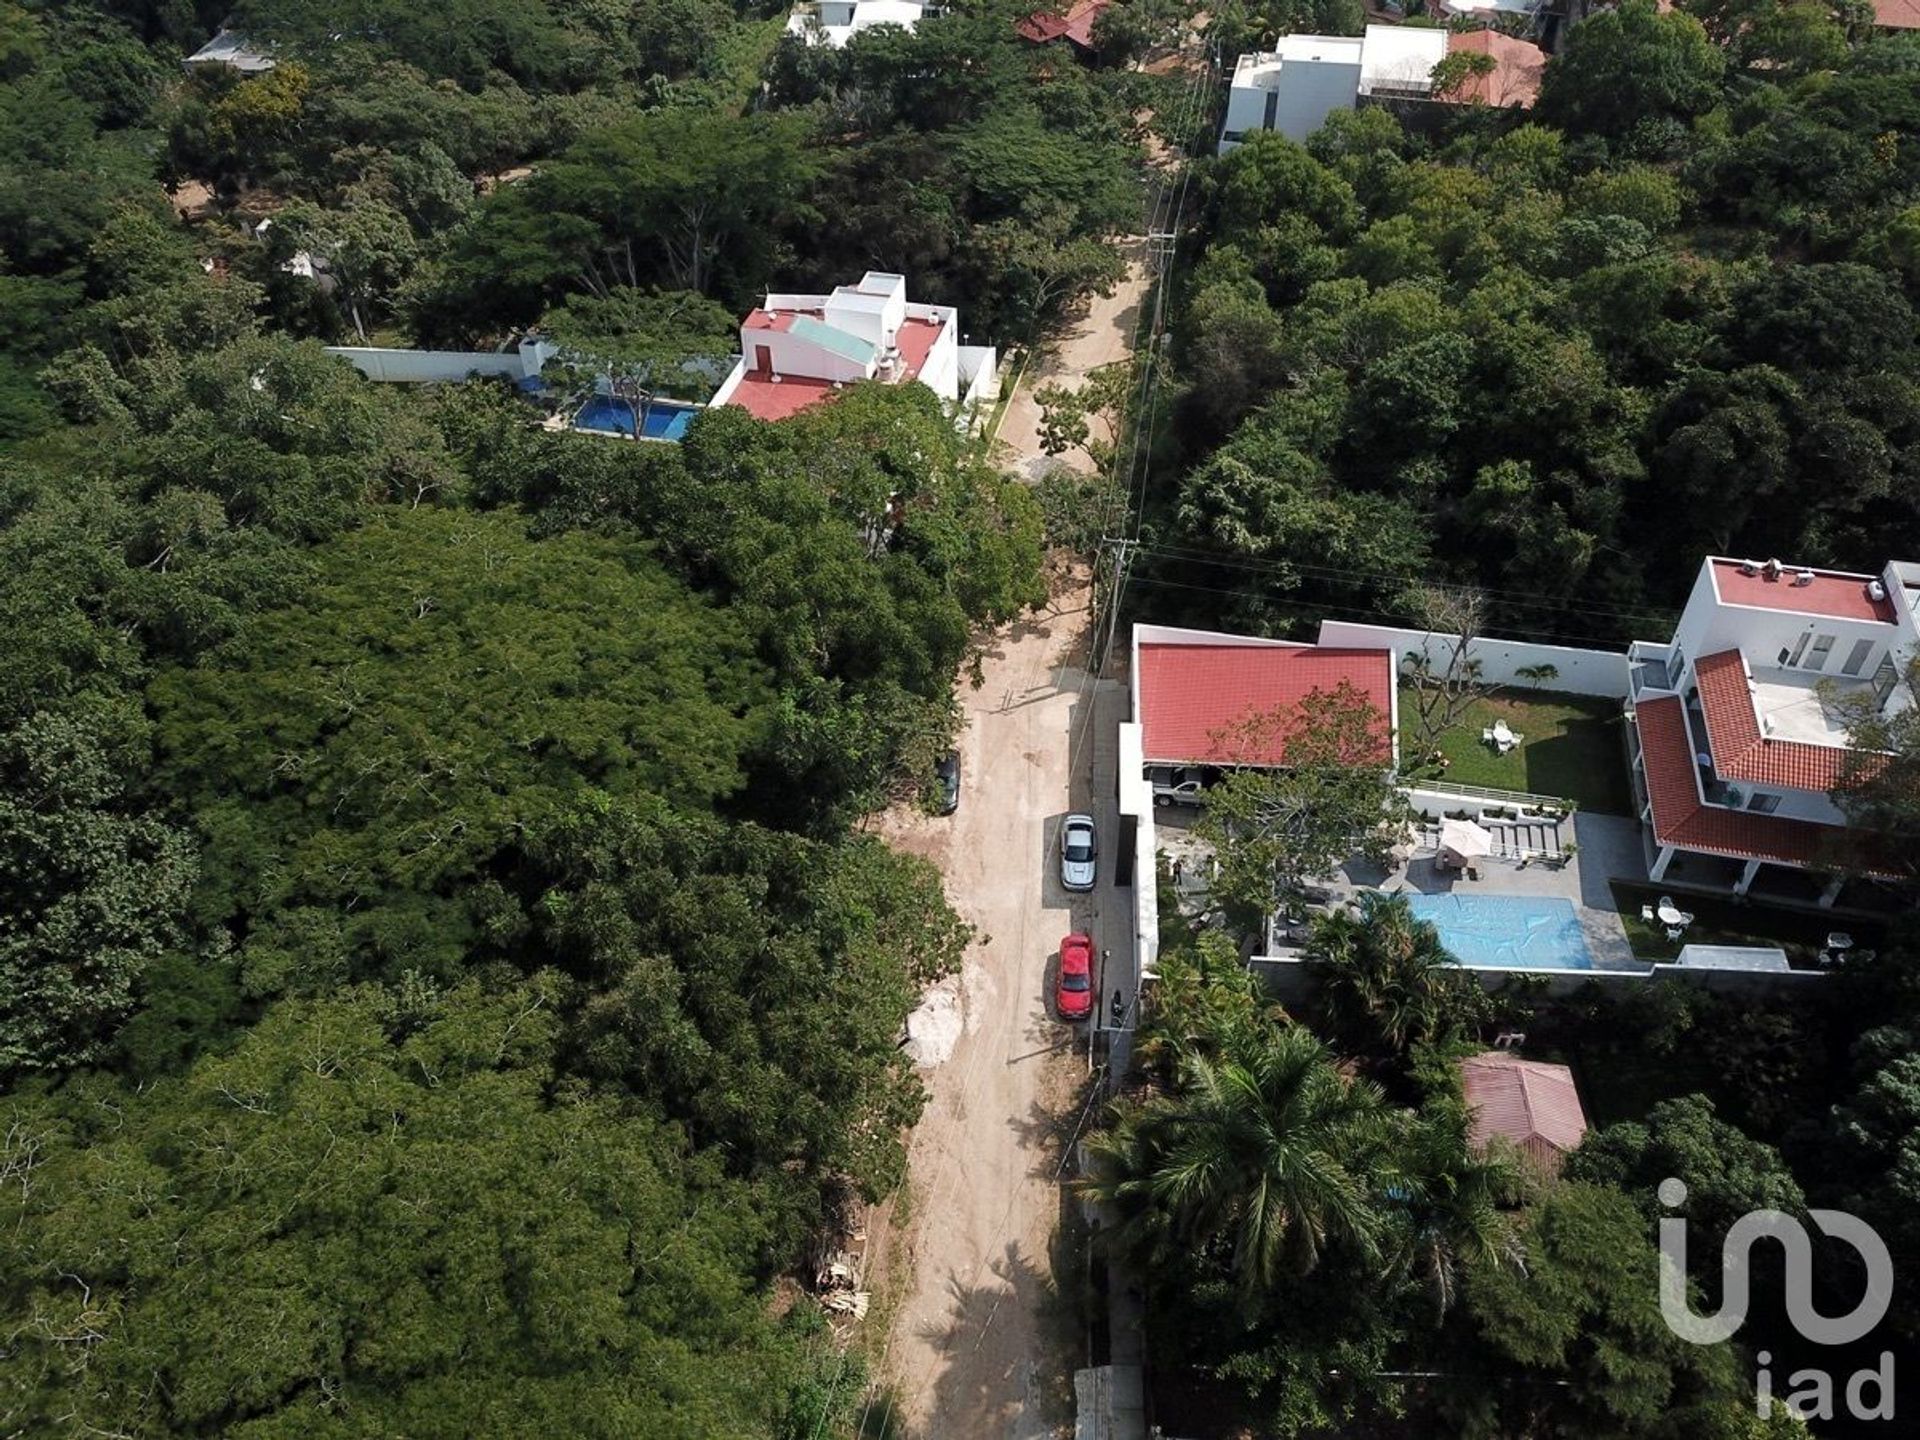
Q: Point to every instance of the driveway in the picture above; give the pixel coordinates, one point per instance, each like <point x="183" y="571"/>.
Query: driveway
<point x="979" y="1345"/>
<point x="1100" y="336"/>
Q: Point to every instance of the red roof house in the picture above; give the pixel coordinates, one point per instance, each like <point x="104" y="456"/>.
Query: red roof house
<point x="1074" y="25"/>
<point x="1518" y="66"/>
<point x="1527" y="1102"/>
<point x="1212" y="699"/>
<point x="1897" y="14"/>
<point x="1744" y="716"/>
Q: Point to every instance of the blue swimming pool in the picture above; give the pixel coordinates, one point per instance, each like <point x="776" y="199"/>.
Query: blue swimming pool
<point x="666" y="419"/>
<point x="1507" y="932"/>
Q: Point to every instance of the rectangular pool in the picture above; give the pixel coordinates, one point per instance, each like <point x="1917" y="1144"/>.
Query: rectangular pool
<point x="1507" y="932"/>
<point x="666" y="419"/>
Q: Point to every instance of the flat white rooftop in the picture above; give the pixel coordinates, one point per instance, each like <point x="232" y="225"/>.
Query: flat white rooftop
<point x="1790" y="706"/>
<point x="1401" y="57"/>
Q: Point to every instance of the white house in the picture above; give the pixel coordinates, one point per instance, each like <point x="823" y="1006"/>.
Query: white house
<point x="834" y="22"/>
<point x="1735" y="743"/>
<point x="1293" y="89"/>
<point x="798" y="350"/>
<point x="231" y="49"/>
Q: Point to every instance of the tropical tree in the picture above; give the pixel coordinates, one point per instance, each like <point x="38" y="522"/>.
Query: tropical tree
<point x="1444" y="1206"/>
<point x="639" y="343"/>
<point x="1260" y="1158"/>
<point x="1386" y="983"/>
<point x="1275" y="827"/>
<point x="1878" y="788"/>
<point x="1574" y="1344"/>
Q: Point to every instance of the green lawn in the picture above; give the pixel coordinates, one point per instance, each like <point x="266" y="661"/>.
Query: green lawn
<point x="1572" y="748"/>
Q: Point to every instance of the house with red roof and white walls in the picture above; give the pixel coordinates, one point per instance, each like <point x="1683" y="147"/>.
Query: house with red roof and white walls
<point x="1737" y="741"/>
<point x="1204" y="702"/>
<point x="797" y="351"/>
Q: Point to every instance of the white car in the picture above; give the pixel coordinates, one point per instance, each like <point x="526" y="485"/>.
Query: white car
<point x="1077" y="852"/>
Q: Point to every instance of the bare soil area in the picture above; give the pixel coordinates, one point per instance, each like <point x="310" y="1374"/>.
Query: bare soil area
<point x="1099" y="337"/>
<point x="980" y="1343"/>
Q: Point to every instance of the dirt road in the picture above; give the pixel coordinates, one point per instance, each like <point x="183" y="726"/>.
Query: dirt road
<point x="979" y="1346"/>
<point x="1101" y="336"/>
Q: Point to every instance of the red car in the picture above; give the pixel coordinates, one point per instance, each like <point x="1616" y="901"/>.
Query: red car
<point x="1074" y="992"/>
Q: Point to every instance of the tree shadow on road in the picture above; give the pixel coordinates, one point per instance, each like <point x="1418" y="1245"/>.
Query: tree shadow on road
<point x="986" y="1383"/>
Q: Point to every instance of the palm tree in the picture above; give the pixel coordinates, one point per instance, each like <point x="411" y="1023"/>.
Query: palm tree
<point x="1386" y="981"/>
<point x="1253" y="1154"/>
<point x="1444" y="1205"/>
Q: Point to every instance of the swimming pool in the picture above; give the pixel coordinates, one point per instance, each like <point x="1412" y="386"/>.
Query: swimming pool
<point x="666" y="419"/>
<point x="1507" y="932"/>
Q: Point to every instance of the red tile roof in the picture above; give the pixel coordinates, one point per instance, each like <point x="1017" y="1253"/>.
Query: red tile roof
<point x="1897" y="14"/>
<point x="1075" y="25"/>
<point x="1533" y="1104"/>
<point x="765" y="398"/>
<point x="1682" y="818"/>
<point x="1740" y="750"/>
<point x="1195" y="697"/>
<point x="1832" y="592"/>
<point x="1518" y="68"/>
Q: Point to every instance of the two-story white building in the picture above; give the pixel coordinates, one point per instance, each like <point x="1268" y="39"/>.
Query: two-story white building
<point x="1736" y="742"/>
<point x="835" y="22"/>
<point x="799" y="350"/>
<point x="1293" y="88"/>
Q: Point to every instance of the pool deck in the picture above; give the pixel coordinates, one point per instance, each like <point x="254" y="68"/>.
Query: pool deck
<point x="1609" y="850"/>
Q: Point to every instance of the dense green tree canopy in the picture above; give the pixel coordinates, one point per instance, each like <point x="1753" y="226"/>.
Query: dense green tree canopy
<point x="376" y="1215"/>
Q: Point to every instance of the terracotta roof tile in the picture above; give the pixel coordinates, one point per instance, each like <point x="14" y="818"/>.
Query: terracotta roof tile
<point x="1519" y="66"/>
<point x="1740" y="751"/>
<point x="1682" y="818"/>
<point x="1193" y="696"/>
<point x="1897" y="14"/>
<point x="1075" y="25"/>
<point x="1531" y="1103"/>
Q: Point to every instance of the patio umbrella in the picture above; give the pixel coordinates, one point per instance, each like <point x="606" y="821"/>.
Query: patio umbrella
<point x="1462" y="840"/>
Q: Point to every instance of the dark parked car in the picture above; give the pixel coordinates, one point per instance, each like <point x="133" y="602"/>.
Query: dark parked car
<point x="947" y="775"/>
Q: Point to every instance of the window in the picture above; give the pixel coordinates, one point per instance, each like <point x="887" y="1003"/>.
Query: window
<point x="1884" y="679"/>
<point x="1817" y="656"/>
<point x="1857" y="657"/>
<point x="1676" y="667"/>
<point x="1763" y="804"/>
<point x="1792" y="657"/>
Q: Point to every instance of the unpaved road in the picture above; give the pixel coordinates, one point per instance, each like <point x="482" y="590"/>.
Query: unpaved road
<point x="980" y="1348"/>
<point x="1101" y="336"/>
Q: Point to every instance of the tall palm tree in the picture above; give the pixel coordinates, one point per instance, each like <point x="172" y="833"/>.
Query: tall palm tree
<point x="1444" y="1205"/>
<point x="1387" y="980"/>
<point x="1253" y="1153"/>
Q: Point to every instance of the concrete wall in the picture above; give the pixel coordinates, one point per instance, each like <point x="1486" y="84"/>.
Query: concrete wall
<point x="1311" y="90"/>
<point x="1582" y="672"/>
<point x="1136" y="800"/>
<point x="1247" y="100"/>
<point x="794" y="355"/>
<point x="442" y="367"/>
<point x="1291" y="980"/>
<point x="941" y="371"/>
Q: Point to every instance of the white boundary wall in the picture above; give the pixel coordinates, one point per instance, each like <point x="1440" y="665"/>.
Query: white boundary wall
<point x="443" y="367"/>
<point x="1136" y="799"/>
<point x="1582" y="672"/>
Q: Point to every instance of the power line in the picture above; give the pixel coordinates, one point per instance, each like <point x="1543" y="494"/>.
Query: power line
<point x="1228" y="560"/>
<point x="1337" y="612"/>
